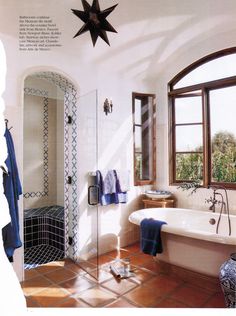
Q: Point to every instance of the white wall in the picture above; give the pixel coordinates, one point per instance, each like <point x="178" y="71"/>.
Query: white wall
<point x="155" y="40"/>
<point x="34" y="173"/>
<point x="56" y="146"/>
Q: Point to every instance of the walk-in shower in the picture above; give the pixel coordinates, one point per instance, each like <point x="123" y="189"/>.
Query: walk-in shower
<point x="49" y="98"/>
<point x="60" y="145"/>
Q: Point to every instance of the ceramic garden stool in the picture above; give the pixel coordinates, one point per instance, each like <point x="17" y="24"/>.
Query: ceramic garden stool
<point x="227" y="278"/>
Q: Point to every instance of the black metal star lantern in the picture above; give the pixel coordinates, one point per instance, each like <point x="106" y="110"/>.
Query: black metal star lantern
<point x="95" y="21"/>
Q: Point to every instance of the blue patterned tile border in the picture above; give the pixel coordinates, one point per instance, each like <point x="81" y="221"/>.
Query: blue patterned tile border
<point x="74" y="164"/>
<point x="57" y="79"/>
<point x="66" y="170"/>
<point x="36" y="92"/>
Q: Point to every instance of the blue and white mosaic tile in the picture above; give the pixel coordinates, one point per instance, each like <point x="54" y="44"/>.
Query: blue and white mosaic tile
<point x="71" y="211"/>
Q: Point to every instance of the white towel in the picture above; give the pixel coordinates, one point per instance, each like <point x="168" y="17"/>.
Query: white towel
<point x="124" y="179"/>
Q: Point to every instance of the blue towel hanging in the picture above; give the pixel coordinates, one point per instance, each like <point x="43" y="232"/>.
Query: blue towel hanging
<point x="151" y="236"/>
<point x="12" y="191"/>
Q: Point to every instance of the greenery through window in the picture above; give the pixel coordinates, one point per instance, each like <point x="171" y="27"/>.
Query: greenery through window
<point x="144" y="138"/>
<point x="202" y="121"/>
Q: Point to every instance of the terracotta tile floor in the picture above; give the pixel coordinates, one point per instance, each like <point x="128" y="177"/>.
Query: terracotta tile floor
<point x="154" y="284"/>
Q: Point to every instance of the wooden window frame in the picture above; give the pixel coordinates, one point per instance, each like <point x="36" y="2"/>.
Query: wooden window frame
<point x="152" y="179"/>
<point x="184" y="92"/>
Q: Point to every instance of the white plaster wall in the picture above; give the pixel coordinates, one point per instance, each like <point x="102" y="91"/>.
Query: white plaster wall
<point x="33" y="175"/>
<point x="56" y="145"/>
<point x="33" y="149"/>
<point x="155" y="40"/>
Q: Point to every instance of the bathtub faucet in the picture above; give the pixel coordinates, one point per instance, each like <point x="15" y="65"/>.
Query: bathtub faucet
<point x="224" y="204"/>
<point x="213" y="200"/>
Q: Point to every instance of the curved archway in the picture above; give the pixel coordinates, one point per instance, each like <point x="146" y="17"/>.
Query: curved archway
<point x="35" y="87"/>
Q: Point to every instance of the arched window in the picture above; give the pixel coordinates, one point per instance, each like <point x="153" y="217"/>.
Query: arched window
<point x="202" y="120"/>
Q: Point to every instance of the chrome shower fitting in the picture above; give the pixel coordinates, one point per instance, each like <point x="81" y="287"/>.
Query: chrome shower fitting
<point x="224" y="204"/>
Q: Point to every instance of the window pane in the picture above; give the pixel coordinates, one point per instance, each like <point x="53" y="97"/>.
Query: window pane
<point x="138" y="166"/>
<point x="137" y="113"/>
<point x="142" y="167"/>
<point x="219" y="68"/>
<point x="223" y="134"/>
<point x="147" y="161"/>
<point x="189" y="138"/>
<point x="188" y="110"/>
<point x="147" y="138"/>
<point x="138" y="138"/>
<point x="189" y="167"/>
<point x="143" y="137"/>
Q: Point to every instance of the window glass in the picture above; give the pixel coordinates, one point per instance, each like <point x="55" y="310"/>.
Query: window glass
<point x="138" y="166"/>
<point x="189" y="138"/>
<point x="189" y="167"/>
<point x="188" y="110"/>
<point x="219" y="68"/>
<point x="138" y="138"/>
<point x="202" y="120"/>
<point x="144" y="146"/>
<point x="137" y="113"/>
<point x="223" y="134"/>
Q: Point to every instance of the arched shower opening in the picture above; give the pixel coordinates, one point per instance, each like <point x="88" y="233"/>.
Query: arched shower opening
<point x="50" y="168"/>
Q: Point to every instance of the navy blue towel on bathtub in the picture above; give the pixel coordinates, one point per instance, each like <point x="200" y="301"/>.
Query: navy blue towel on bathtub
<point x="151" y="236"/>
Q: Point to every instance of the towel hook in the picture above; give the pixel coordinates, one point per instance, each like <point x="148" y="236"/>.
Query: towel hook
<point x="6" y="124"/>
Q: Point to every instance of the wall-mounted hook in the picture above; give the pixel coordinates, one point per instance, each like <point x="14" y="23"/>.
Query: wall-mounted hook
<point x="4" y="169"/>
<point x="6" y="124"/>
<point x="69" y="180"/>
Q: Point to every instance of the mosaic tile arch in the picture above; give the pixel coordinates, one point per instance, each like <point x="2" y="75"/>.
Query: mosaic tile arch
<point x="70" y="157"/>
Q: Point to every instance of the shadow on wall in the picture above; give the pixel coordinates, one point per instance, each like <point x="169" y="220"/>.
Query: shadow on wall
<point x="181" y="28"/>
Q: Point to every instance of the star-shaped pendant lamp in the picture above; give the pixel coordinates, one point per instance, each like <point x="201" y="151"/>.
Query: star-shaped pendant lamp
<point x="95" y="21"/>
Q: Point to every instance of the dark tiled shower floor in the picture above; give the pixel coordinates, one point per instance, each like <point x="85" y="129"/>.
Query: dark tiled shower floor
<point x="41" y="254"/>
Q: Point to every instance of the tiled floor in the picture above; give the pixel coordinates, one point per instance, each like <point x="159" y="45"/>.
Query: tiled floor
<point x="65" y="284"/>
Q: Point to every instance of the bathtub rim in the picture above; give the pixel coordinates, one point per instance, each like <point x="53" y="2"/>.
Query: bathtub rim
<point x="196" y="234"/>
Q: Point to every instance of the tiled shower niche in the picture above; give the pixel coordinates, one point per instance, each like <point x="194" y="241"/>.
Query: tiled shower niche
<point x="44" y="235"/>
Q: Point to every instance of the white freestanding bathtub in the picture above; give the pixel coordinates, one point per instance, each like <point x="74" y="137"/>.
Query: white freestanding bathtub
<point x="189" y="239"/>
